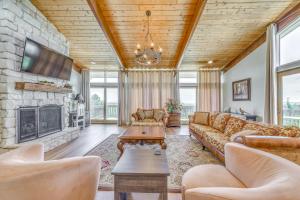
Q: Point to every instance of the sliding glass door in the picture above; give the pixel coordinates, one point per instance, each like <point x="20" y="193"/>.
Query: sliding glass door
<point x="104" y="97"/>
<point x="289" y="98"/>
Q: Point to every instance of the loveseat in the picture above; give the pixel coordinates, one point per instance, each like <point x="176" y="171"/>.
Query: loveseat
<point x="149" y="117"/>
<point x="214" y="130"/>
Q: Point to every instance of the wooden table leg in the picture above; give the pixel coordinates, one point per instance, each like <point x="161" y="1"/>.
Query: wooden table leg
<point x="120" y="147"/>
<point x="163" y="144"/>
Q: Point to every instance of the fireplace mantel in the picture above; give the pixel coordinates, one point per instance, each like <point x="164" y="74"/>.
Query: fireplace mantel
<point x="41" y="87"/>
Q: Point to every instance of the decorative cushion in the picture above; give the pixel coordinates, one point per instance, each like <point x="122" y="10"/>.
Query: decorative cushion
<point x="149" y="114"/>
<point x="221" y="121"/>
<point x="140" y="113"/>
<point x="262" y="129"/>
<point x="212" y="117"/>
<point x="234" y="125"/>
<point x="158" y="116"/>
<point x="201" y="118"/>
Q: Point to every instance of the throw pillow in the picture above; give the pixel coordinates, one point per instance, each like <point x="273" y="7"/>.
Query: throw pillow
<point x="140" y="114"/>
<point x="149" y="114"/>
<point x="135" y="116"/>
<point x="201" y="118"/>
<point x="234" y="125"/>
<point x="221" y="121"/>
<point x="212" y="117"/>
<point x="158" y="116"/>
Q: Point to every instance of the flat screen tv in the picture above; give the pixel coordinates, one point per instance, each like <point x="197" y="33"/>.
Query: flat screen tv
<point x="39" y="59"/>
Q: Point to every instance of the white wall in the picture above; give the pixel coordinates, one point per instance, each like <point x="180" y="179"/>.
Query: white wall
<point x="253" y="66"/>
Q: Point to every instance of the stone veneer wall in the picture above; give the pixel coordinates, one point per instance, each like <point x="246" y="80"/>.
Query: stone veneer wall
<point x="20" y="19"/>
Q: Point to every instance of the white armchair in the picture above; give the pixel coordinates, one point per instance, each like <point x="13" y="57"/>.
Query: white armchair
<point x="24" y="175"/>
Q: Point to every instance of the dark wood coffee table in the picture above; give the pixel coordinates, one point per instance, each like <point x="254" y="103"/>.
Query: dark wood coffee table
<point x="139" y="170"/>
<point x="142" y="135"/>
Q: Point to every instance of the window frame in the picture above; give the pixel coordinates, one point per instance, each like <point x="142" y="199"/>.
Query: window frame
<point x="104" y="85"/>
<point x="285" y="69"/>
<point x="294" y="64"/>
<point x="187" y="86"/>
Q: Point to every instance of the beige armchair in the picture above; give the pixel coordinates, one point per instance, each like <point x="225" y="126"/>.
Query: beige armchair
<point x="250" y="174"/>
<point x="24" y="175"/>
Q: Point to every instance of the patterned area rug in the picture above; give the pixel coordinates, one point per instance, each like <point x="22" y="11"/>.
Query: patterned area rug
<point x="183" y="152"/>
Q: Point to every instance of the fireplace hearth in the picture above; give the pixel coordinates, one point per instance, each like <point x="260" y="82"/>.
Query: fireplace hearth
<point x="36" y="122"/>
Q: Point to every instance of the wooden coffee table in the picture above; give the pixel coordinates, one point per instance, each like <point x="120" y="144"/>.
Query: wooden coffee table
<point x="140" y="170"/>
<point x="142" y="135"/>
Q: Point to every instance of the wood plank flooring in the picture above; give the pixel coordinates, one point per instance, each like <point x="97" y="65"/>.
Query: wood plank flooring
<point x="92" y="136"/>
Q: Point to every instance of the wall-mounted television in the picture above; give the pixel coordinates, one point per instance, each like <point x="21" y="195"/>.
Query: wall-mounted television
<point x="39" y="59"/>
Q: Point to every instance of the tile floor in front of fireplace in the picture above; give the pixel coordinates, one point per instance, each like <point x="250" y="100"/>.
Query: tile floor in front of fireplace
<point x="92" y="136"/>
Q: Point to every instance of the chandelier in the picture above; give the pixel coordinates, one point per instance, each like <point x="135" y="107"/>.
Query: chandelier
<point x="149" y="53"/>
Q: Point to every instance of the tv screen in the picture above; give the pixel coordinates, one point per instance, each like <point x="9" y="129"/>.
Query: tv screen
<point x="38" y="59"/>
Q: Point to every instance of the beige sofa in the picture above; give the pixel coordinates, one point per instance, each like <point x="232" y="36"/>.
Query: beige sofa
<point x="24" y="175"/>
<point x="214" y="130"/>
<point x="149" y="117"/>
<point x="249" y="174"/>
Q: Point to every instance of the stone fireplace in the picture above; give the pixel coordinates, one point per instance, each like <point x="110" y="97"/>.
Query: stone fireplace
<point x="36" y="122"/>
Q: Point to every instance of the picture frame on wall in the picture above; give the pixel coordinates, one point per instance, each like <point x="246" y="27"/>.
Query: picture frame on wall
<point x="241" y="90"/>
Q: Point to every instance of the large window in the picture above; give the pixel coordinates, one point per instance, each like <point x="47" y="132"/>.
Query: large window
<point x="289" y="76"/>
<point x="104" y="96"/>
<point x="188" y="91"/>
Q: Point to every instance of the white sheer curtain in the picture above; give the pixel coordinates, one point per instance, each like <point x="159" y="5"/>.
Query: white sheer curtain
<point x="209" y="90"/>
<point x="85" y="88"/>
<point x="270" y="115"/>
<point x="144" y="89"/>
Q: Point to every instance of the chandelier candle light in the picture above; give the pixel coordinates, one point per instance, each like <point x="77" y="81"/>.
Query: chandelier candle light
<point x="150" y="53"/>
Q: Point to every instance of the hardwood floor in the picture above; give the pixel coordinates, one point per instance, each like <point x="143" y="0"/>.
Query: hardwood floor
<point x="92" y="136"/>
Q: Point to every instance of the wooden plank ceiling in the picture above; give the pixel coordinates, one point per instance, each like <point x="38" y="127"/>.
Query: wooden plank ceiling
<point x="228" y="27"/>
<point x="225" y="29"/>
<point x="77" y="22"/>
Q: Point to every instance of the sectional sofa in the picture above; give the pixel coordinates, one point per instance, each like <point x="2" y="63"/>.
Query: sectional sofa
<point x="214" y="130"/>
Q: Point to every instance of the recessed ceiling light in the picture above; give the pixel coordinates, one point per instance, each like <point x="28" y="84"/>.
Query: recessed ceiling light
<point x="93" y="63"/>
<point x="210" y="62"/>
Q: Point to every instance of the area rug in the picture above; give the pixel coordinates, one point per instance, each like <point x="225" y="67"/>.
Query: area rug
<point x="183" y="152"/>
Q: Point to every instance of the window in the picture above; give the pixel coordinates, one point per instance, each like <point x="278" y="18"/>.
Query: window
<point x="289" y="76"/>
<point x="289" y="44"/>
<point x="104" y="96"/>
<point x="187" y="92"/>
<point x="289" y="98"/>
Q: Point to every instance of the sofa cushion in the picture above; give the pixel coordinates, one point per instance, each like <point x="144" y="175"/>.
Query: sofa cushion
<point x="140" y="113"/>
<point x="201" y="118"/>
<point x="212" y="117"/>
<point x="147" y="122"/>
<point x="158" y="115"/>
<point x="149" y="114"/>
<point x="289" y="131"/>
<point x="234" y="125"/>
<point x="216" y="139"/>
<point x="262" y="129"/>
<point x="221" y="121"/>
<point x="201" y="129"/>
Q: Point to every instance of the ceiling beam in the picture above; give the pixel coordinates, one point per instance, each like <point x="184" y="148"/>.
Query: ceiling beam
<point x="105" y="28"/>
<point x="190" y="31"/>
<point x="245" y="53"/>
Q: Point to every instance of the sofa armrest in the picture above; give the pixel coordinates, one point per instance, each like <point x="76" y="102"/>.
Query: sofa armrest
<point x="191" y="118"/>
<point x="268" y="141"/>
<point x="242" y="133"/>
<point x="134" y="117"/>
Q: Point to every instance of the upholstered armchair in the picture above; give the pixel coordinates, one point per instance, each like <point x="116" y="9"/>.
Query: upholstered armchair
<point x="24" y="175"/>
<point x="249" y="174"/>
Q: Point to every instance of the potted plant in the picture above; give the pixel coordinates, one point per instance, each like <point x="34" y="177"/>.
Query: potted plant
<point x="173" y="106"/>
